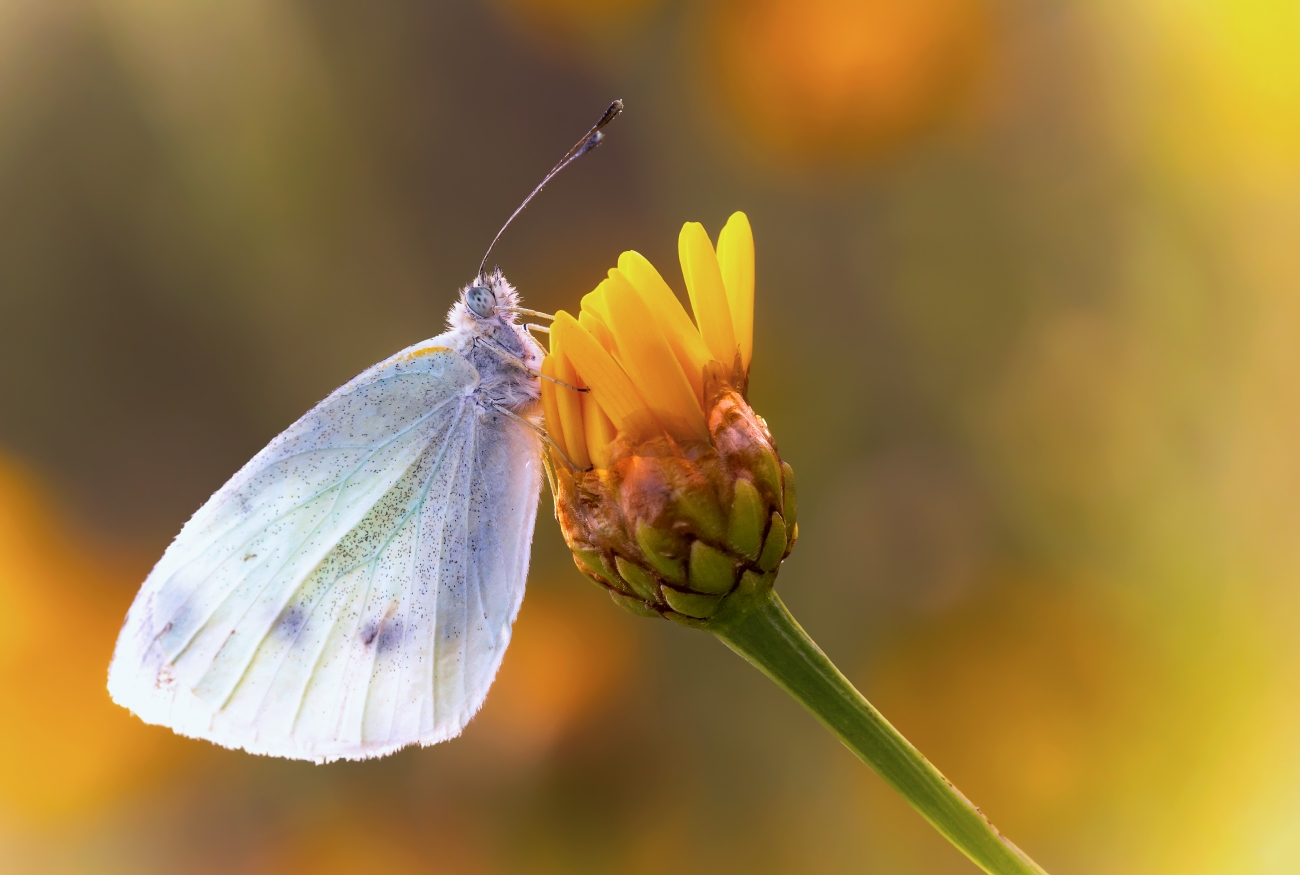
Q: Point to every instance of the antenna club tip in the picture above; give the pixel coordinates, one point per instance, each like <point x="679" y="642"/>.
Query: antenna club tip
<point x="610" y="114"/>
<point x="591" y="140"/>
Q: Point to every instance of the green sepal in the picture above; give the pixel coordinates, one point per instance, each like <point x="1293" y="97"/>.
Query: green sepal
<point x="788" y="498"/>
<point x="640" y="580"/>
<point x="711" y="570"/>
<point x="703" y="513"/>
<point x="753" y="584"/>
<point x="766" y="469"/>
<point x="657" y="548"/>
<point x="774" y="547"/>
<point x="692" y="604"/>
<point x="588" y="573"/>
<point x="636" y="606"/>
<point x="690" y="622"/>
<point x="745" y="528"/>
<point x="596" y="561"/>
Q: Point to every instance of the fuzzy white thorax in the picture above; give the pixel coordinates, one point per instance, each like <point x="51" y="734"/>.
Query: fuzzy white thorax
<point x="483" y="340"/>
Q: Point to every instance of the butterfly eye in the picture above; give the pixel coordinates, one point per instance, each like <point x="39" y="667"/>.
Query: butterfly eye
<point x="481" y="301"/>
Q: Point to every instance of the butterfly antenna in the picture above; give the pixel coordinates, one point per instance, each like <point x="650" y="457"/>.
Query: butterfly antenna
<point x="589" y="141"/>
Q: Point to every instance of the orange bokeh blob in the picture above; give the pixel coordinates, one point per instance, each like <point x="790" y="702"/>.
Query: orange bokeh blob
<point x="1023" y="698"/>
<point x="347" y="840"/>
<point x="568" y="654"/>
<point x="65" y="748"/>
<point x="835" y="80"/>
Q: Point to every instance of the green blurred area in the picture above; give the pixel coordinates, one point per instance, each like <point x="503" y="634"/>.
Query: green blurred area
<point x="1027" y="327"/>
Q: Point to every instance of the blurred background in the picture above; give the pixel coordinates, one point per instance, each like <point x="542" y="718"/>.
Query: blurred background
<point x="1028" y="329"/>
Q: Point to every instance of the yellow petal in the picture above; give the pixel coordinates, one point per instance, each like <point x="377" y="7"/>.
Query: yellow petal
<point x="594" y="301"/>
<point x="611" y="387"/>
<point x="600" y="431"/>
<point x="736" y="260"/>
<point x="568" y="404"/>
<point x="708" y="295"/>
<point x="599" y="330"/>
<point x="649" y="361"/>
<point x="670" y="315"/>
<point x="550" y="406"/>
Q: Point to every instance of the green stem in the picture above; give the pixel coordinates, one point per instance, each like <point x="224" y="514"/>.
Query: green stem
<point x="770" y="638"/>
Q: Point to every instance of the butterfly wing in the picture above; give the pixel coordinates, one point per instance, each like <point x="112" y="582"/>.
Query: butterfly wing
<point x="351" y="590"/>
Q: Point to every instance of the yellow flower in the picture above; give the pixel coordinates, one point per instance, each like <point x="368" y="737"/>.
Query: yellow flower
<point x="671" y="496"/>
<point x="668" y="487"/>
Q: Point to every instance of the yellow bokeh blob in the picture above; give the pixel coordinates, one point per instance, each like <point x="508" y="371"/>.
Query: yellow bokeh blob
<point x="65" y="748"/>
<point x="1218" y="86"/>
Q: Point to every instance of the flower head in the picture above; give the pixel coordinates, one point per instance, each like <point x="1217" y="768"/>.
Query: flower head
<point x="668" y="487"/>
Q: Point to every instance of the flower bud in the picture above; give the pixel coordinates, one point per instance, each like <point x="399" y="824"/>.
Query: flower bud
<point x="686" y="507"/>
<point x="676" y="529"/>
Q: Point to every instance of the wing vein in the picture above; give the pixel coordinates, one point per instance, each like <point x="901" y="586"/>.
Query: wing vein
<point x="372" y="560"/>
<point x="433" y="473"/>
<point x="298" y="506"/>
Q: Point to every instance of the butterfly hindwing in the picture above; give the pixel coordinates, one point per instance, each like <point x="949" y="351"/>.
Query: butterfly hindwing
<point x="351" y="590"/>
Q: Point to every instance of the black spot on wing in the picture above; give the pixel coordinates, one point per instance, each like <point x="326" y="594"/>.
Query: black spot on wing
<point x="384" y="634"/>
<point x="290" y="621"/>
<point x="390" y="636"/>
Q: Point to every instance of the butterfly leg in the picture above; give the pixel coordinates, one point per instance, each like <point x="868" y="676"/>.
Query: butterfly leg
<point x="559" y="382"/>
<point x="526" y="312"/>
<point x="514" y="360"/>
<point x="541" y="432"/>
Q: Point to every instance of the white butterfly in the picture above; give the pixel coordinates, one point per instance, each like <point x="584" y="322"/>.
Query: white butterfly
<point x="351" y="590"/>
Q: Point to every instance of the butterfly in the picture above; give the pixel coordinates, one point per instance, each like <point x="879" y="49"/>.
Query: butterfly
<point x="351" y="590"/>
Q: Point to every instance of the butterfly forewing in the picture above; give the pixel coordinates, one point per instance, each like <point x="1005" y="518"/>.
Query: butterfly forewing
<point x="351" y="590"/>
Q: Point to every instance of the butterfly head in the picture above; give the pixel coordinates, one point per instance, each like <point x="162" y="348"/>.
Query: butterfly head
<point x="487" y="299"/>
<point x="486" y="306"/>
<point x="481" y="301"/>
